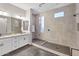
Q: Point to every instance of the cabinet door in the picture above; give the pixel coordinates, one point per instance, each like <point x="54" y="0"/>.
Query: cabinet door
<point x="6" y="46"/>
<point x="20" y="41"/>
<point x="1" y="46"/>
<point x="28" y="38"/>
<point x="25" y="41"/>
<point x="14" y="43"/>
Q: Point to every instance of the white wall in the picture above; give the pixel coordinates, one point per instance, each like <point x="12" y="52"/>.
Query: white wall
<point x="75" y="43"/>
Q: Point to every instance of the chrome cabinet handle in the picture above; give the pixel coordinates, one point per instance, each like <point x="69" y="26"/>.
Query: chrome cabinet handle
<point x="1" y="44"/>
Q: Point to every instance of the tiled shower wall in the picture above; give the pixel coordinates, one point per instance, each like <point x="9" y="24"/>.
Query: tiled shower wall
<point x="62" y="29"/>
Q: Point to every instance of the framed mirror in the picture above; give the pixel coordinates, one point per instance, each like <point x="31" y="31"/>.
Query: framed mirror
<point x="25" y="26"/>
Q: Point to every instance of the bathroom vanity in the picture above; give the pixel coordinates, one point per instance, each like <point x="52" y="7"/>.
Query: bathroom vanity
<point x="12" y="42"/>
<point x="13" y="34"/>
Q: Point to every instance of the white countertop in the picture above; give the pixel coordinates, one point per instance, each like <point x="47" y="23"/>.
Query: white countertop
<point x="12" y="35"/>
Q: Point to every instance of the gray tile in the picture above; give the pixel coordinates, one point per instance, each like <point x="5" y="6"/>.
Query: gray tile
<point x="39" y="42"/>
<point x="59" y="48"/>
<point x="56" y="47"/>
<point x="30" y="51"/>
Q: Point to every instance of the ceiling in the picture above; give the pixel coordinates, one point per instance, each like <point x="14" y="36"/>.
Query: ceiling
<point x="39" y="7"/>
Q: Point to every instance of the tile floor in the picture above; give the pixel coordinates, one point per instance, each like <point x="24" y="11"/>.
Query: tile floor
<point x="56" y="47"/>
<point x="29" y="51"/>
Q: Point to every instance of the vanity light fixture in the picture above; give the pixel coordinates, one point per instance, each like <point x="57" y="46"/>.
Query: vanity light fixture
<point x="23" y="18"/>
<point x="4" y="13"/>
<point x="19" y="17"/>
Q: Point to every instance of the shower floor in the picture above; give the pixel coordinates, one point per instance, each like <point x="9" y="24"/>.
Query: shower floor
<point x="60" y="50"/>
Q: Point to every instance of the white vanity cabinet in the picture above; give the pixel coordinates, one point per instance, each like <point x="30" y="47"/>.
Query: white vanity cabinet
<point x="5" y="46"/>
<point x="1" y="47"/>
<point x="9" y="44"/>
<point x="14" y="43"/>
<point x="27" y="39"/>
<point x="21" y="41"/>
